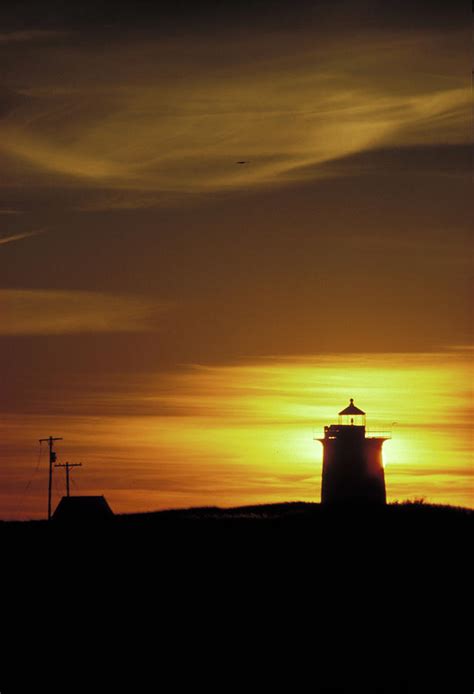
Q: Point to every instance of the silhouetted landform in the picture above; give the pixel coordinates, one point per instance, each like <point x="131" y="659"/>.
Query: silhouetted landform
<point x="300" y="512"/>
<point x="304" y="515"/>
<point x="287" y="596"/>
<point x="82" y="509"/>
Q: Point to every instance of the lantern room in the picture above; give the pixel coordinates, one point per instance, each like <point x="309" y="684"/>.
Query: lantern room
<point x="352" y="416"/>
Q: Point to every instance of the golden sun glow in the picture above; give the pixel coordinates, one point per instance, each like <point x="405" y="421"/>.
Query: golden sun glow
<point x="245" y="433"/>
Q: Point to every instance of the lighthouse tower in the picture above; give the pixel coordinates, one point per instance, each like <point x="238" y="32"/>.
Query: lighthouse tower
<point x="352" y="461"/>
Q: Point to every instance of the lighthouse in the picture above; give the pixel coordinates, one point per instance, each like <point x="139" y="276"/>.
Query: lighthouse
<point x="352" y="461"/>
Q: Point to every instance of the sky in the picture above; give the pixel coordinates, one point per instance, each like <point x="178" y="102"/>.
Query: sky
<point x="187" y="323"/>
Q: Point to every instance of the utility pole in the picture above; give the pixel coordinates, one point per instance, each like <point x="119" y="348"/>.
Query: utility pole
<point x="68" y="466"/>
<point x="52" y="459"/>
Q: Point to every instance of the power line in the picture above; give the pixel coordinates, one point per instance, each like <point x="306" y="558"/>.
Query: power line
<point x="35" y="470"/>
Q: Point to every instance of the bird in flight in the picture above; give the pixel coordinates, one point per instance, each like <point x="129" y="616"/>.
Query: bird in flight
<point x="241" y="162"/>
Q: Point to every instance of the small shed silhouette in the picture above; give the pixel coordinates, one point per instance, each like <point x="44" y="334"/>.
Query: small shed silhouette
<point x="83" y="509"/>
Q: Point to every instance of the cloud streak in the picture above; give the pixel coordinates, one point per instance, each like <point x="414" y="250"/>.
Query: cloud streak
<point x="29" y="35"/>
<point x="56" y="312"/>
<point x="9" y="238"/>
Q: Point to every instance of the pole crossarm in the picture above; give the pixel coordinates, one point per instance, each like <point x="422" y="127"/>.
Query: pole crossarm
<point x="68" y="467"/>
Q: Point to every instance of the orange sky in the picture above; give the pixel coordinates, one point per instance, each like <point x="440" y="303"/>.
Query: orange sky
<point x="244" y="433"/>
<point x="184" y="321"/>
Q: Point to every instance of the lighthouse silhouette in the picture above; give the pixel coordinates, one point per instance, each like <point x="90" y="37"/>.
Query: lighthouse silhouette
<point x="353" y="471"/>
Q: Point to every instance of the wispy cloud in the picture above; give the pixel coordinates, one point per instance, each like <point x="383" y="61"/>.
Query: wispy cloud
<point x="8" y="238"/>
<point x="56" y="312"/>
<point x="164" y="133"/>
<point x="195" y="150"/>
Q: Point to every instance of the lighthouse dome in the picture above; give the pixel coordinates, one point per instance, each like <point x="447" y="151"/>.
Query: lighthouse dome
<point x="351" y="409"/>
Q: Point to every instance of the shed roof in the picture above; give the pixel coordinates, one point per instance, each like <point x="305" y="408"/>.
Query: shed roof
<point x="83" y="509"/>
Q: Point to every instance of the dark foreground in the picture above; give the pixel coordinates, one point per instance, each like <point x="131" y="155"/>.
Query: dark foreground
<point x="287" y="596"/>
<point x="304" y="516"/>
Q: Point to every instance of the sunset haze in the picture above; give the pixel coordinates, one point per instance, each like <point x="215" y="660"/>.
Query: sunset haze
<point x="219" y="222"/>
